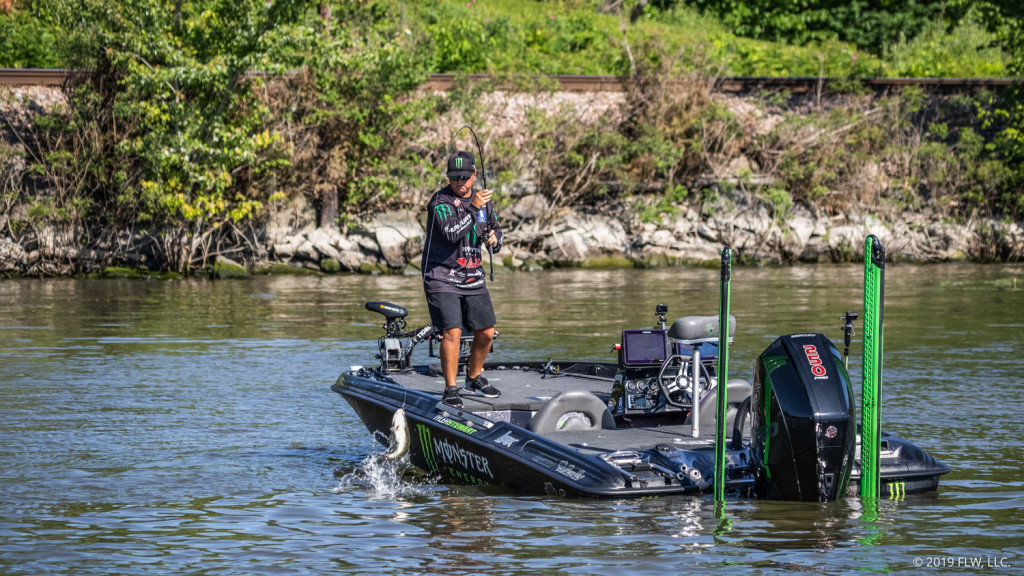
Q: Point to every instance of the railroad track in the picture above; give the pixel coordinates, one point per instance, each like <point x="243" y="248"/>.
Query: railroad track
<point x="571" y="83"/>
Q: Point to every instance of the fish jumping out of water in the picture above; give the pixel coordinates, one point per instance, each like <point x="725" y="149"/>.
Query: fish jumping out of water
<point x="399" y="441"/>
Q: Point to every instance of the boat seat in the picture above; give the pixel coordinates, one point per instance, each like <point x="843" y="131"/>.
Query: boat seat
<point x="737" y="392"/>
<point x="572" y="410"/>
<point x="389" y="310"/>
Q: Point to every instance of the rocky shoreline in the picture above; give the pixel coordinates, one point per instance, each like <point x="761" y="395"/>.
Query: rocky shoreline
<point x="540" y="233"/>
<point x="391" y="242"/>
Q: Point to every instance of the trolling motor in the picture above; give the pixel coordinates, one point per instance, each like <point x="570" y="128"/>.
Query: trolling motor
<point x="848" y="333"/>
<point x="394" y="356"/>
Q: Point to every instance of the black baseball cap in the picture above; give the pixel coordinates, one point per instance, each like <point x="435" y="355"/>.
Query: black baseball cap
<point x="461" y="165"/>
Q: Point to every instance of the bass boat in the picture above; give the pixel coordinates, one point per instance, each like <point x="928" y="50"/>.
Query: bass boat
<point x="639" y="427"/>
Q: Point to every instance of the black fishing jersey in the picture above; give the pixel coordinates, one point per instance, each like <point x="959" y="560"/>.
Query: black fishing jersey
<point x="452" y="255"/>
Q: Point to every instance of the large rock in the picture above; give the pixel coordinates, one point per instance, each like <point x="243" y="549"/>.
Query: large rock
<point x="800" y="227"/>
<point x="530" y="207"/>
<point x="567" y="246"/>
<point x="577" y="238"/>
<point x="352" y="260"/>
<point x="365" y="240"/>
<point x="847" y="241"/>
<point x="12" y="256"/>
<point x="322" y="241"/>
<point x="285" y="251"/>
<point x="288" y="219"/>
<point x="306" y="251"/>
<point x="399" y="236"/>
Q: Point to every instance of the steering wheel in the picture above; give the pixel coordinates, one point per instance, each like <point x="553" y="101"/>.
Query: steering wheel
<point x="663" y="383"/>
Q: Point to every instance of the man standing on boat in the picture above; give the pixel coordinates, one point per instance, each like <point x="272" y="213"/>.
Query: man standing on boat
<point x="459" y="221"/>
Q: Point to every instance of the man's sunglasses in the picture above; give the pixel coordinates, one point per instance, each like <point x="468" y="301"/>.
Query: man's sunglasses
<point x="454" y="178"/>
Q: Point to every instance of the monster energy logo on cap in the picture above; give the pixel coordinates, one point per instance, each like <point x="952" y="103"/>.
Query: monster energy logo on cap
<point x="461" y="165"/>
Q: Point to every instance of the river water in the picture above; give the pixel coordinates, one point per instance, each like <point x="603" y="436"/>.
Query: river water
<point x="188" y="427"/>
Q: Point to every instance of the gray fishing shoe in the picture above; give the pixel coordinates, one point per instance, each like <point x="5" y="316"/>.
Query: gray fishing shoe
<point x="451" y="397"/>
<point x="481" y="387"/>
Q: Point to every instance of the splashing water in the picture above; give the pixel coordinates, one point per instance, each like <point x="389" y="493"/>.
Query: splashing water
<point x="383" y="480"/>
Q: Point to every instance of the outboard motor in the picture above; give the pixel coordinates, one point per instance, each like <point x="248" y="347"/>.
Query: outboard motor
<point x="803" y="421"/>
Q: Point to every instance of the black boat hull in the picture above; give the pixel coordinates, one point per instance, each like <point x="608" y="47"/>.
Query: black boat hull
<point x="446" y="443"/>
<point x="488" y="443"/>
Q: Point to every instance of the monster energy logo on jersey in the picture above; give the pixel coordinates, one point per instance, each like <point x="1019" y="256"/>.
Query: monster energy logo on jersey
<point x="443" y="211"/>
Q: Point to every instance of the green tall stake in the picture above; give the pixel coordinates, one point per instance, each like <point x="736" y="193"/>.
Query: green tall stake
<point x="723" y="374"/>
<point x="871" y="397"/>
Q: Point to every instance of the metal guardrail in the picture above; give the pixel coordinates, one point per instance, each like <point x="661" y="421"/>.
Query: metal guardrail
<point x="31" y="77"/>
<point x="576" y="83"/>
<point x="795" y="85"/>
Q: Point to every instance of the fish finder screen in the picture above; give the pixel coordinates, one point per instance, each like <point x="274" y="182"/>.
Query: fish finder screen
<point x="644" y="347"/>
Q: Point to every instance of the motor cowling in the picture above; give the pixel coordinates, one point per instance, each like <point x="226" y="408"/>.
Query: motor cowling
<point x="803" y="420"/>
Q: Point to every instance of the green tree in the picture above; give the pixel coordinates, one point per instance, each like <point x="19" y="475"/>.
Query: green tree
<point x="25" y="42"/>
<point x="183" y="133"/>
<point x="352" y="114"/>
<point x="1003" y="117"/>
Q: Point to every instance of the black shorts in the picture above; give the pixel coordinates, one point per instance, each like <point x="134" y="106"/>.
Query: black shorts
<point x="470" y="312"/>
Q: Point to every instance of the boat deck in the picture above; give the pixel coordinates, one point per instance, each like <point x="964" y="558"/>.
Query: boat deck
<point x="521" y="389"/>
<point x="524" y="391"/>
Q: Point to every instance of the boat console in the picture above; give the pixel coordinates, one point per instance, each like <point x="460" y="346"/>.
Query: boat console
<point x="662" y="369"/>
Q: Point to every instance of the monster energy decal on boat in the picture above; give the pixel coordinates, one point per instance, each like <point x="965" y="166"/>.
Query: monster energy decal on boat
<point x="455" y="425"/>
<point x="897" y="490"/>
<point x="446" y="456"/>
<point x="424" y="434"/>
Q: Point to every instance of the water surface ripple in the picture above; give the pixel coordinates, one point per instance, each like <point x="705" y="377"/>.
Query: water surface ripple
<point x="189" y="427"/>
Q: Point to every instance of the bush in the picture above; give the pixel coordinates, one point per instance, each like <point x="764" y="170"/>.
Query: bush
<point x="26" y="42"/>
<point x="868" y="24"/>
<point x="965" y="52"/>
<point x="167" y="129"/>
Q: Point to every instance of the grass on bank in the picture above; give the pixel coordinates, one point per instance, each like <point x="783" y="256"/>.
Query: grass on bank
<point x="574" y="37"/>
<point x="579" y="37"/>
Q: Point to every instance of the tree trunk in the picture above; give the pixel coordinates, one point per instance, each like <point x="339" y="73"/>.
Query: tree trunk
<point x="327" y="208"/>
